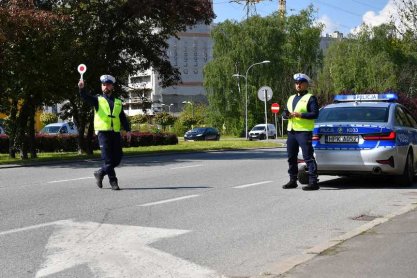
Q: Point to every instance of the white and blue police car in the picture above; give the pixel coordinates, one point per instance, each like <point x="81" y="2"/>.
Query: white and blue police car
<point x="368" y="134"/>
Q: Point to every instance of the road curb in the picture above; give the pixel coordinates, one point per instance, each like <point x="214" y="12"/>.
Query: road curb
<point x="281" y="267"/>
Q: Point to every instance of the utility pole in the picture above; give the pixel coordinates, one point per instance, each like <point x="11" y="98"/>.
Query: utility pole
<point x="282" y="8"/>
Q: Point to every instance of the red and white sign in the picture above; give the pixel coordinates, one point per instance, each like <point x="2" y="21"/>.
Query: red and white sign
<point x="82" y="69"/>
<point x="275" y="108"/>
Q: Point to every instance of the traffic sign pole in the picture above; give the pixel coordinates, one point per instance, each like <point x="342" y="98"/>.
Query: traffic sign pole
<point x="266" y="116"/>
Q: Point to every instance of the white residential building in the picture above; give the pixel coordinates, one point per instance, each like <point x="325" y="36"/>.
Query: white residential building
<point x="328" y="39"/>
<point x="190" y="53"/>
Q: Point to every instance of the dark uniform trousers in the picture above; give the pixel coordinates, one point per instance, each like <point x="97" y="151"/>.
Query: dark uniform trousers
<point x="111" y="151"/>
<point x="302" y="139"/>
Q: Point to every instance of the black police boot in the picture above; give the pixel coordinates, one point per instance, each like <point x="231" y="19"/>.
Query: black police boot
<point x="290" y="184"/>
<point x="311" y="186"/>
<point x="114" y="185"/>
<point x="99" y="175"/>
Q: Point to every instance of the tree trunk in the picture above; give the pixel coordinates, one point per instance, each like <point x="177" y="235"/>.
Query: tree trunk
<point x="21" y="141"/>
<point x="31" y="132"/>
<point x="12" y="127"/>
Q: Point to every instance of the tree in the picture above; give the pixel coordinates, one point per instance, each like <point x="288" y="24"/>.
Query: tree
<point x="119" y="37"/>
<point x="374" y="60"/>
<point x="123" y="37"/>
<point x="164" y="119"/>
<point x="26" y="29"/>
<point x="291" y="45"/>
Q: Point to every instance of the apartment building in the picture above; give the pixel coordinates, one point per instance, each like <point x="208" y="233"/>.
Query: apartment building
<point x="189" y="53"/>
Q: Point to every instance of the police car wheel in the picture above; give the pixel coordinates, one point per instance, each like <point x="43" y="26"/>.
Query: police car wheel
<point x="406" y="179"/>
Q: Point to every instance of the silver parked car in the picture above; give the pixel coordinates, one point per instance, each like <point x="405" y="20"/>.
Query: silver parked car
<point x="362" y="135"/>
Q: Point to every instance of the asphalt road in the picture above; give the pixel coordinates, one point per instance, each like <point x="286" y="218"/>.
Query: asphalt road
<point x="180" y="215"/>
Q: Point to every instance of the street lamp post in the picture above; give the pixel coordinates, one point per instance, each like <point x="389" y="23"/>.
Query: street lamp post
<point x="246" y="92"/>
<point x="169" y="107"/>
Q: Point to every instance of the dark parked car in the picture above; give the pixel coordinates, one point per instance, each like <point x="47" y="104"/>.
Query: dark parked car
<point x="202" y="134"/>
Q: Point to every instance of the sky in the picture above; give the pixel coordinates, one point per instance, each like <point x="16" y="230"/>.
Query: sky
<point x="337" y="15"/>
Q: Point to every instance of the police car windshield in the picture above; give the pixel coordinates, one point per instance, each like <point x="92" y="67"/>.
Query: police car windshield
<point x="353" y="114"/>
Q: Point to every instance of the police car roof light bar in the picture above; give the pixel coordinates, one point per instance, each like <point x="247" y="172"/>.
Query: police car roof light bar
<point x="388" y="97"/>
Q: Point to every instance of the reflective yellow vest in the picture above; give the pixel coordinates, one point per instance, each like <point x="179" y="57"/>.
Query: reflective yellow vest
<point x="104" y="119"/>
<point x="299" y="124"/>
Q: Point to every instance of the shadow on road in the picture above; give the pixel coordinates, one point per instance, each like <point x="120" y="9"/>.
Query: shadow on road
<point x="177" y="158"/>
<point x="344" y="183"/>
<point x="166" y="188"/>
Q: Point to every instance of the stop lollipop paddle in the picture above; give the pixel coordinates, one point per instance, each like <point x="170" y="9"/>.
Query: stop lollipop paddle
<point x="82" y="69"/>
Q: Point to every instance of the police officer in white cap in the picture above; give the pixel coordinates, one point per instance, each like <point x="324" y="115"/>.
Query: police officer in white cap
<point x="108" y="119"/>
<point x="301" y="110"/>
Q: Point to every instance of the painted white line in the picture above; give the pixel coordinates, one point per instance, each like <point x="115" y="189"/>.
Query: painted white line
<point x="168" y="200"/>
<point x="71" y="180"/>
<point x="33" y="227"/>
<point x="184" y="167"/>
<point x="251" y="184"/>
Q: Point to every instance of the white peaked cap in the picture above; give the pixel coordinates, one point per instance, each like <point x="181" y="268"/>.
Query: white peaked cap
<point x="107" y="79"/>
<point x="302" y="77"/>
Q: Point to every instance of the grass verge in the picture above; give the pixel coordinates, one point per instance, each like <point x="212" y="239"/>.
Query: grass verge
<point x="229" y="144"/>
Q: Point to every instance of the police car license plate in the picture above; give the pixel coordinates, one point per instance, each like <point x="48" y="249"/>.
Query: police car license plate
<point x="342" y="139"/>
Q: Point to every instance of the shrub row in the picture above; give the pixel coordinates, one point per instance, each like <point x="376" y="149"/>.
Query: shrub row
<point x="69" y="143"/>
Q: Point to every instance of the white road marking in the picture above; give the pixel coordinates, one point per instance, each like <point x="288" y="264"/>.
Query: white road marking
<point x="28" y="228"/>
<point x="251" y="184"/>
<point x="116" y="251"/>
<point x="71" y="180"/>
<point x="184" y="167"/>
<point x="168" y="200"/>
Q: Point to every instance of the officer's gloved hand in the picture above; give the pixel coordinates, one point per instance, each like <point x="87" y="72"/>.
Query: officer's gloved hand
<point x="286" y="114"/>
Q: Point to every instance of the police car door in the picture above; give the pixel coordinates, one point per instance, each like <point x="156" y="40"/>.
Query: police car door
<point x="406" y="133"/>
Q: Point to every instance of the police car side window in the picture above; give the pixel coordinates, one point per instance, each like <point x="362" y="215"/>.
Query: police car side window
<point x="411" y="119"/>
<point x="401" y="118"/>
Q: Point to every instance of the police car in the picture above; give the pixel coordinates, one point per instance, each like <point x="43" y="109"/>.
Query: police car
<point x="365" y="135"/>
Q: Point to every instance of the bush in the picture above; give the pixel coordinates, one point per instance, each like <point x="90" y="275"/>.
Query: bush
<point x="142" y="139"/>
<point x="48" y="118"/>
<point x="56" y="143"/>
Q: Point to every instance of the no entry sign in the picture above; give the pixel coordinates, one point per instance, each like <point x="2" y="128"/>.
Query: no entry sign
<point x="275" y="108"/>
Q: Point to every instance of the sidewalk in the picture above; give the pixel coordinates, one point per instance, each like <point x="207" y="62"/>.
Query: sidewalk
<point x="385" y="251"/>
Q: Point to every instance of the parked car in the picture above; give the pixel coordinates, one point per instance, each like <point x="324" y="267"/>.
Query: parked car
<point x="202" y="134"/>
<point x="365" y="135"/>
<point x="59" y="128"/>
<point x="258" y="132"/>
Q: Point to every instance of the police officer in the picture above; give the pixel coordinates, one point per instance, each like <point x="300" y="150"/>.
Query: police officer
<point x="108" y="119"/>
<point x="302" y="108"/>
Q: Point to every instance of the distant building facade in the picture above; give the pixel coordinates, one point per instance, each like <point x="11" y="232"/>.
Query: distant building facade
<point x="190" y="53"/>
<point x="328" y="39"/>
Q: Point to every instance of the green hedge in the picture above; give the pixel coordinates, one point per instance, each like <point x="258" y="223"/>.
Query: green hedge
<point x="68" y="143"/>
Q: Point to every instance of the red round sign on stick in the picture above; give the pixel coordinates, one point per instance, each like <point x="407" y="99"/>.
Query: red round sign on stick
<point x="82" y="69"/>
<point x="275" y="107"/>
